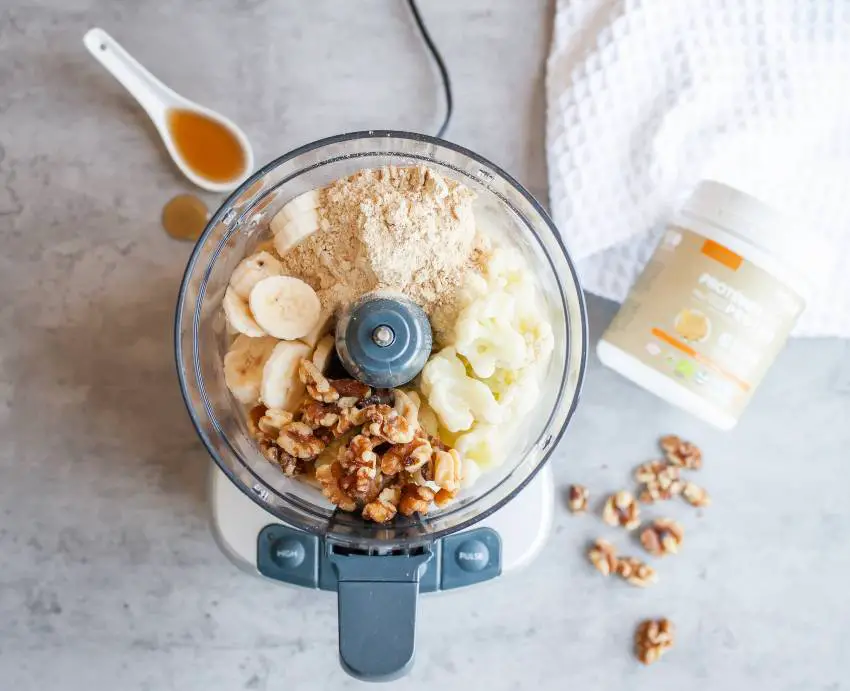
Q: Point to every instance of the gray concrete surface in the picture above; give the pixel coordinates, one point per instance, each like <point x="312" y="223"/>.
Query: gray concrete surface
<point x="109" y="578"/>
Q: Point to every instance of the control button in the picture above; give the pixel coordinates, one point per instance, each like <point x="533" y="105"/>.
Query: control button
<point x="288" y="553"/>
<point x="472" y="555"/>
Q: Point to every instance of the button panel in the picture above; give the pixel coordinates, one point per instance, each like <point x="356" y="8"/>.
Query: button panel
<point x="288" y="555"/>
<point x="471" y="557"/>
<point x="296" y="557"/>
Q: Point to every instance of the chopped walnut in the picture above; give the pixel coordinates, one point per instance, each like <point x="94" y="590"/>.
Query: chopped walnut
<point x="328" y="476"/>
<point x="653" y="638"/>
<point x="410" y="457"/>
<point x="415" y="499"/>
<point x="681" y="453"/>
<point x="273" y="421"/>
<point x="318" y="385"/>
<point x="443" y="497"/>
<point x="254" y="416"/>
<point x="359" y="455"/>
<point x="448" y="469"/>
<point x="578" y="497"/>
<point x="318" y="414"/>
<point x="663" y="536"/>
<point x="603" y="556"/>
<point x="636" y="572"/>
<point x="290" y="465"/>
<point x="695" y="495"/>
<point x="351" y="388"/>
<point x="385" y="422"/>
<point x="383" y="508"/>
<point x="298" y="439"/>
<point x="622" y="509"/>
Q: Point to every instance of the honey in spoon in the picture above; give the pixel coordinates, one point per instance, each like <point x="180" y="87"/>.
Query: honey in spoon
<point x="209" y="148"/>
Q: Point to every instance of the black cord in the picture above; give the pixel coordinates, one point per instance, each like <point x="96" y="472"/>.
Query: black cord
<point x="441" y="66"/>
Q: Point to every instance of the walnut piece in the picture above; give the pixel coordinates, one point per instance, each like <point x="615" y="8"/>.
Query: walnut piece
<point x="328" y="476"/>
<point x="577" y="500"/>
<point x="318" y="385"/>
<point x="681" y="453"/>
<point x="383" y="508"/>
<point x="298" y="439"/>
<point x="663" y="536"/>
<point x="622" y="509"/>
<point x="409" y="457"/>
<point x="636" y="572"/>
<point x="318" y="414"/>
<point x="272" y="421"/>
<point x="443" y="497"/>
<point x="653" y="638"/>
<point x="385" y="422"/>
<point x="603" y="556"/>
<point x="415" y="499"/>
<point x="661" y="481"/>
<point x="695" y="495"/>
<point x="448" y="469"/>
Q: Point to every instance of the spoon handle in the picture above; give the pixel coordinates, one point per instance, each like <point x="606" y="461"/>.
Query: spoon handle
<point x="152" y="94"/>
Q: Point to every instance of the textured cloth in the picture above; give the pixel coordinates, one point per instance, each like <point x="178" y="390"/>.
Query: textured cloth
<point x="647" y="98"/>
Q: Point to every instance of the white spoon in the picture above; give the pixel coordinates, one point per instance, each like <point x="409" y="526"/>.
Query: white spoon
<point x="159" y="101"/>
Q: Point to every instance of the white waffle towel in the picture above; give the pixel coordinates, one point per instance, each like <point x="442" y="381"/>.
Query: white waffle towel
<point x="646" y="98"/>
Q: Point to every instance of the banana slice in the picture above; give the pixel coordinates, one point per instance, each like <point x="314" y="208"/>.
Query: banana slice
<point x="239" y="316"/>
<point x="285" y="307"/>
<point x="291" y="231"/>
<point x="295" y="221"/>
<point x="303" y="202"/>
<point x="323" y="326"/>
<point x="243" y="366"/>
<point x="280" y="387"/>
<point x="252" y="270"/>
<point x="324" y="352"/>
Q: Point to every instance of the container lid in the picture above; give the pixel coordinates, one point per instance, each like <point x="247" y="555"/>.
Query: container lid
<point x="783" y="236"/>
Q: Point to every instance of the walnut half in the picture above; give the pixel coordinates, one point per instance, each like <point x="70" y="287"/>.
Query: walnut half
<point x="680" y="452"/>
<point x="653" y="638"/>
<point x="603" y="556"/>
<point x="663" y="536"/>
<point x="622" y="509"/>
<point x="577" y="499"/>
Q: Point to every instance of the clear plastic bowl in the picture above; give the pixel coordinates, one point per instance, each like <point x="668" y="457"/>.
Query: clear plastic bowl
<point x="503" y="207"/>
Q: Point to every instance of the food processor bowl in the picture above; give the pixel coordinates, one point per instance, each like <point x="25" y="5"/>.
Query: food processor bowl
<point x="504" y="210"/>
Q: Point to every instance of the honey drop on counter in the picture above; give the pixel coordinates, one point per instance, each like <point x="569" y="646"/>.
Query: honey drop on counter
<point x="209" y="148"/>
<point x="184" y="217"/>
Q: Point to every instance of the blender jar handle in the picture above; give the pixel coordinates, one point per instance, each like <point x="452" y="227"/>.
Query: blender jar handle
<point x="376" y="599"/>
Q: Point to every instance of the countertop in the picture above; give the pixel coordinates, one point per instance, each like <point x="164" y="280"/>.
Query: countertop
<point x="109" y="576"/>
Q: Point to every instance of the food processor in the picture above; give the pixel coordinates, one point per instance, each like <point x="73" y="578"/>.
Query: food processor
<point x="283" y="528"/>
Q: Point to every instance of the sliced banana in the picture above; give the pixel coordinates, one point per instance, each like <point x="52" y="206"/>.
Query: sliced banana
<point x="243" y="366"/>
<point x="252" y="270"/>
<point x="295" y="221"/>
<point x="285" y="307"/>
<point x="324" y="352"/>
<point x="323" y="326"/>
<point x="291" y="231"/>
<point x="280" y="387"/>
<point x="239" y="316"/>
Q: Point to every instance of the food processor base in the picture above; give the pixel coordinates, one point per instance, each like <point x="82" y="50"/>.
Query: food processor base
<point x="258" y="543"/>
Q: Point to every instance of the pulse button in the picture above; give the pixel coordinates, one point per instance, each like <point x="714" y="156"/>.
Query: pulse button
<point x="472" y="555"/>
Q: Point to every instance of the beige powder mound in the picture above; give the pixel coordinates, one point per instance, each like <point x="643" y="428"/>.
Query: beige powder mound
<point x="406" y="229"/>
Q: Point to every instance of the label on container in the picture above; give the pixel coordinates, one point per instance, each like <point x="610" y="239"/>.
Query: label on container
<point x="707" y="318"/>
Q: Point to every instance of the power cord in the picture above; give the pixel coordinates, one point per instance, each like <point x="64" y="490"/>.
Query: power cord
<point x="441" y="66"/>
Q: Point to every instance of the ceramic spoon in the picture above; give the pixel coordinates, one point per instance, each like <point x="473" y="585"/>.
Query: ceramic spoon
<point x="157" y="100"/>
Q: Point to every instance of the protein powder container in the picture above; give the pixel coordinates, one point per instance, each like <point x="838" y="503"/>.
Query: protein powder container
<point x="714" y="305"/>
